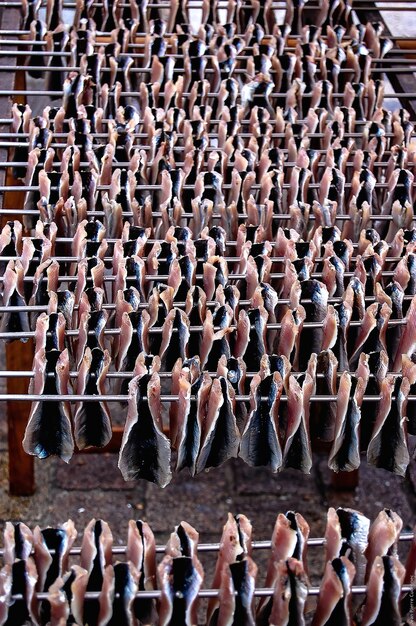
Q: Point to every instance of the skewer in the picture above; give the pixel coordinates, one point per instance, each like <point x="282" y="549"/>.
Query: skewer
<point x="157" y="187"/>
<point x="38" y="308"/>
<point x="261" y="592"/>
<point x="4" y="397"/>
<point x="165" y="277"/>
<point x="213" y="547"/>
<point x="147" y="70"/>
<point x="139" y="135"/>
<point x="186" y="94"/>
<point x="229" y="259"/>
<point x="215" y="216"/>
<point x="159" y="329"/>
<point x="123" y="375"/>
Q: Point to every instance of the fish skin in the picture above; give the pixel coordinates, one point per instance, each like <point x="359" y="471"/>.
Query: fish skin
<point x="289" y="539"/>
<point x="176" y="319"/>
<point x="345" y="452"/>
<point x="13" y="295"/>
<point x="297" y="452"/>
<point x="96" y="555"/>
<point x="290" y="335"/>
<point x="250" y="343"/>
<point x="136" y="463"/>
<point x="322" y="420"/>
<point x="235" y="545"/>
<point x="180" y="580"/>
<point x="383" y="592"/>
<point x="260" y="445"/>
<point x="18" y="542"/>
<point x="118" y="594"/>
<point x="36" y="429"/>
<point x="190" y="420"/>
<point x="23" y="577"/>
<point x="383" y="537"/>
<point x="141" y="552"/>
<point x="372" y="332"/>
<point x="333" y="535"/>
<point x="92" y="428"/>
<point x="354" y="528"/>
<point x="388" y="445"/>
<point x="238" y="582"/>
<point x="219" y="428"/>
<point x="407" y="342"/>
<point x="290" y="594"/>
<point x="315" y="312"/>
<point x="334" y="601"/>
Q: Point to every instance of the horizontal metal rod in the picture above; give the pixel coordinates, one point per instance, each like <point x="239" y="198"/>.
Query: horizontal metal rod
<point x="214" y="547"/>
<point x="158" y="187"/>
<point x="142" y="135"/>
<point x="4" y="397"/>
<point x="14" y="144"/>
<point x="187" y="94"/>
<point x="165" y="277"/>
<point x="180" y="305"/>
<point x="147" y="70"/>
<point x="210" y="593"/>
<point x="215" y="216"/>
<point x="229" y="259"/>
<point x="157" y="330"/>
<point x="168" y="375"/>
<point x="116" y="164"/>
<point x="239" y="57"/>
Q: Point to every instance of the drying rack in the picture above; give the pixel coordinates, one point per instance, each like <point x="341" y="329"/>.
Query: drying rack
<point x="118" y="553"/>
<point x="399" y="67"/>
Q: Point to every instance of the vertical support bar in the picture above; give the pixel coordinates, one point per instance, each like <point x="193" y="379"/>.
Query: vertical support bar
<point x="18" y="355"/>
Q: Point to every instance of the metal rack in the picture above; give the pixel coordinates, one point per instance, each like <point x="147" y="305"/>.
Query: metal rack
<point x="399" y="64"/>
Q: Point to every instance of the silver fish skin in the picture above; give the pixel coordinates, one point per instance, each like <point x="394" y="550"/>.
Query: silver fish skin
<point x="48" y="431"/>
<point x="383" y="592"/>
<point x="290" y="594"/>
<point x="260" y="445"/>
<point x="145" y="451"/>
<point x="334" y="601"/>
<point x="388" y="444"/>
<point x="345" y="452"/>
<point x="141" y="552"/>
<point x="235" y="545"/>
<point x="238" y="582"/>
<point x="220" y="438"/>
<point x="92" y="422"/>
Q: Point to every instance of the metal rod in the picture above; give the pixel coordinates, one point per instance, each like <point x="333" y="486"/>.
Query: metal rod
<point x="142" y="135"/>
<point x="214" y="547"/>
<point x="165" y="277"/>
<point x="215" y="216"/>
<point x="147" y="70"/>
<point x="158" y="187"/>
<point x="229" y="259"/>
<point x="262" y="592"/>
<point x="187" y="94"/>
<point x="117" y="164"/>
<point x="123" y="375"/>
<point x="180" y="305"/>
<point x="4" y="397"/>
<point x="193" y="329"/>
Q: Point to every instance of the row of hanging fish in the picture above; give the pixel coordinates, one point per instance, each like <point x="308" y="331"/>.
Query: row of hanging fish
<point x="138" y="17"/>
<point x="356" y="553"/>
<point x="260" y="63"/>
<point x="271" y="421"/>
<point x="227" y="177"/>
<point x="289" y="312"/>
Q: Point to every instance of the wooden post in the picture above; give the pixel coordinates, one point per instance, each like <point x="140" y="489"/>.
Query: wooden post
<point x="19" y="356"/>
